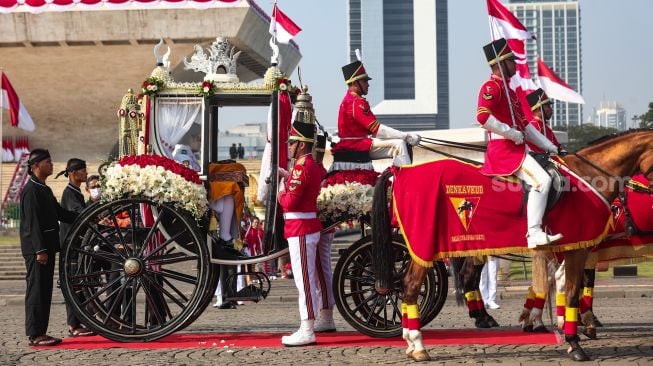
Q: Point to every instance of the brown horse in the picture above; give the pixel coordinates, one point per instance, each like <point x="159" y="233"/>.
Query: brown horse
<point x="610" y="160"/>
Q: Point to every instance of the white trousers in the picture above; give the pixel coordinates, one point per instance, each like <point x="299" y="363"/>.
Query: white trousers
<point x="324" y="272"/>
<point x="488" y="285"/>
<point x="535" y="176"/>
<point x="303" y="251"/>
<point x="390" y="148"/>
<point x="225" y="210"/>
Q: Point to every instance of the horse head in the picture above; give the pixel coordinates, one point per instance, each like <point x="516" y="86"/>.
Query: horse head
<point x="616" y="158"/>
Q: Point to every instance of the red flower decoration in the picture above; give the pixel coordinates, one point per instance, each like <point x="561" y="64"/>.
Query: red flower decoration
<point x="167" y="164"/>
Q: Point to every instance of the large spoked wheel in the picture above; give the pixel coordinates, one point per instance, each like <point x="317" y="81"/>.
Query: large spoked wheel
<point x="379" y="315"/>
<point x="128" y="281"/>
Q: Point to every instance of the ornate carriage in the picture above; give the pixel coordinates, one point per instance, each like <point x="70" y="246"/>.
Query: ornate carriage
<point x="145" y="261"/>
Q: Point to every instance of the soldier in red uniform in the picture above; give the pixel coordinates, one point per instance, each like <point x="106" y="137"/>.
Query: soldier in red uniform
<point x="499" y="112"/>
<point x="542" y="111"/>
<point x="356" y="123"/>
<point x="298" y="199"/>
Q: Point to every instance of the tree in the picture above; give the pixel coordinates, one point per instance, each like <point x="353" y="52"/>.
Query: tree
<point x="581" y="136"/>
<point x="646" y="119"/>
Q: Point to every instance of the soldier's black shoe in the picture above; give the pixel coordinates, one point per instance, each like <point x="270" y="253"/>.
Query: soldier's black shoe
<point x="227" y="305"/>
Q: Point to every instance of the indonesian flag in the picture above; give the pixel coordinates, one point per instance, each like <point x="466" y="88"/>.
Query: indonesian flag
<point x="555" y="87"/>
<point x="17" y="112"/>
<point x="504" y="24"/>
<point x="282" y="27"/>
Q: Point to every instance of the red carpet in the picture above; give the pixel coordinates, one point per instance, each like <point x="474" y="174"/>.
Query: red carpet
<point x="339" y="339"/>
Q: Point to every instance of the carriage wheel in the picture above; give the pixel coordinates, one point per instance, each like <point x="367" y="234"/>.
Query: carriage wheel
<point x="125" y="279"/>
<point x="378" y="315"/>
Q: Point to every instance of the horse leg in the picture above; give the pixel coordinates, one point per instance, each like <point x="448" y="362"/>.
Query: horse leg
<point x="540" y="264"/>
<point x="413" y="280"/>
<point x="585" y="302"/>
<point x="560" y="295"/>
<point x="574" y="266"/>
<point x="471" y="273"/>
<point x="525" y="316"/>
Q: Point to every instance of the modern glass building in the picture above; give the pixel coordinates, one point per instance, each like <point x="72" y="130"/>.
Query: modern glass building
<point x="556" y="23"/>
<point x="405" y="50"/>
<point x="611" y="114"/>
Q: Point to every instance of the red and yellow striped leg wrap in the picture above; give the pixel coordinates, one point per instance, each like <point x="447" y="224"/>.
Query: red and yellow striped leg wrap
<point x="571" y="321"/>
<point x="585" y="302"/>
<point x="538" y="303"/>
<point x="530" y="299"/>
<point x="561" y="301"/>
<point x="479" y="301"/>
<point x="413" y="317"/>
<point x="470" y="297"/>
<point x="404" y="315"/>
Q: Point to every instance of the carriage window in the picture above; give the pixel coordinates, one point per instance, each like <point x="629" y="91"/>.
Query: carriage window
<point x="178" y="129"/>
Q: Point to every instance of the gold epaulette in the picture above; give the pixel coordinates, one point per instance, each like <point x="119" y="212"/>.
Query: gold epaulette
<point x="301" y="161"/>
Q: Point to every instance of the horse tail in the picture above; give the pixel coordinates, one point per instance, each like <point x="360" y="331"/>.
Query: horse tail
<point x="456" y="268"/>
<point x="382" y="256"/>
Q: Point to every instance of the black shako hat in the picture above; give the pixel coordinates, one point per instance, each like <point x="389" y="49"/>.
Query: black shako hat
<point x="73" y="164"/>
<point x="537" y="99"/>
<point x="320" y="143"/>
<point x="497" y="51"/>
<point x="354" y="71"/>
<point x="301" y="131"/>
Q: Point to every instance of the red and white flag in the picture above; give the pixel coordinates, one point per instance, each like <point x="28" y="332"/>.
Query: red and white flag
<point x="282" y="27"/>
<point x="504" y="24"/>
<point x="17" y="112"/>
<point x="555" y="87"/>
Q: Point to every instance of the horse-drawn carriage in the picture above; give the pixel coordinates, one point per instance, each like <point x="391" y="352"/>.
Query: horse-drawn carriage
<point x="145" y="261"/>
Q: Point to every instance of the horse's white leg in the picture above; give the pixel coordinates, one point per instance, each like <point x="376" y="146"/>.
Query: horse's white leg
<point x="405" y="330"/>
<point x="560" y="295"/>
<point x="525" y="316"/>
<point x="415" y="335"/>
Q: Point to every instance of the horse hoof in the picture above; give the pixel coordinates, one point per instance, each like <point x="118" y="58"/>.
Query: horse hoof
<point x="482" y="323"/>
<point x="528" y="328"/>
<point x="590" y="333"/>
<point x="419" y="356"/>
<point x="490" y="320"/>
<point x="540" y="329"/>
<point x="597" y="323"/>
<point x="578" y="355"/>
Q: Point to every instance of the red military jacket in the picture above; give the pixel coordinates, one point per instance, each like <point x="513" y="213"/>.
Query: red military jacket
<point x="545" y="130"/>
<point x="503" y="156"/>
<point x="356" y="123"/>
<point x="300" y="197"/>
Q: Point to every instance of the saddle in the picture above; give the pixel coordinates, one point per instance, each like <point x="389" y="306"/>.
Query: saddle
<point x="559" y="183"/>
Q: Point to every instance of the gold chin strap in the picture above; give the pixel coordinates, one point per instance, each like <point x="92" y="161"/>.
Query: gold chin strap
<point x="501" y="58"/>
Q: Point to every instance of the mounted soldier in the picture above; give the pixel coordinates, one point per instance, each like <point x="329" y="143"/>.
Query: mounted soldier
<point x="542" y="109"/>
<point x="499" y="112"/>
<point x="357" y="122"/>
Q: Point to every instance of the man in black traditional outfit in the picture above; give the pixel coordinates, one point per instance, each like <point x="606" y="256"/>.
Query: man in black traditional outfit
<point x="72" y="199"/>
<point x="39" y="241"/>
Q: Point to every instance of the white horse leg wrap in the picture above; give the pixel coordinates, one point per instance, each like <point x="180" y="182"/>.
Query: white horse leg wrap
<point x="415" y="336"/>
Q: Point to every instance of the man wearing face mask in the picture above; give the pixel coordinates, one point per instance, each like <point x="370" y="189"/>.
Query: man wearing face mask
<point x="72" y="199"/>
<point x="93" y="189"/>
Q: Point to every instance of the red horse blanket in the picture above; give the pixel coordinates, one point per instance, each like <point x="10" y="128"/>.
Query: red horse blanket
<point x="447" y="208"/>
<point x="618" y="248"/>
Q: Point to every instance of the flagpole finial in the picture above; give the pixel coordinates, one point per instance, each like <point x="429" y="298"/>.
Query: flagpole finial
<point x="359" y="55"/>
<point x="274" y="60"/>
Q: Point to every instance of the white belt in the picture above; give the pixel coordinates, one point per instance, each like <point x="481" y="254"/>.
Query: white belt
<point x="299" y="215"/>
<point x="494" y="136"/>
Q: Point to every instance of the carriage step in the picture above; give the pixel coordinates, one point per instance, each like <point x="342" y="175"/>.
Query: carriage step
<point x="249" y="293"/>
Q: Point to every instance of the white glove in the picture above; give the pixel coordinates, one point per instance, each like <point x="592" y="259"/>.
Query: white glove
<point x="385" y="132"/>
<point x="536" y="137"/>
<point x="504" y="130"/>
<point x="413" y="139"/>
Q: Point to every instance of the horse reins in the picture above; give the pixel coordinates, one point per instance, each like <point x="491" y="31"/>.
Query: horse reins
<point x="453" y="144"/>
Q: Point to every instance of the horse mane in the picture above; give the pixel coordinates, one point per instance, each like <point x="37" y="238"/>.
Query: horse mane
<point x="611" y="136"/>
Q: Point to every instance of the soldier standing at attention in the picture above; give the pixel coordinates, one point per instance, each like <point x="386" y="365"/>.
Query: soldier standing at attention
<point x="298" y="199"/>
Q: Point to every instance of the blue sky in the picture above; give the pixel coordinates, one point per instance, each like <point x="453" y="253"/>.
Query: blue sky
<point x="616" y="53"/>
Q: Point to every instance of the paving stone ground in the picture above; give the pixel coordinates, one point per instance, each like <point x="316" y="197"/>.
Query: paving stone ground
<point x="626" y="339"/>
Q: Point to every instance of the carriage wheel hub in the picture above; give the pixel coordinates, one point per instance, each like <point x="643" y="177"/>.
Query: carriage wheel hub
<point x="133" y="267"/>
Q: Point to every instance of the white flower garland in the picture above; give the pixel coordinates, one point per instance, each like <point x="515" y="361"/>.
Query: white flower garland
<point x="157" y="184"/>
<point x="344" y="201"/>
